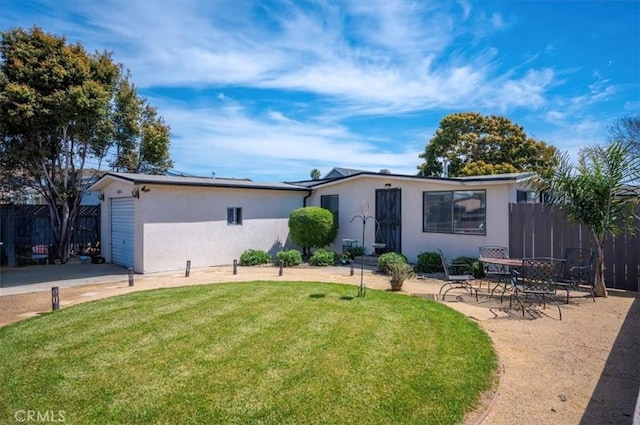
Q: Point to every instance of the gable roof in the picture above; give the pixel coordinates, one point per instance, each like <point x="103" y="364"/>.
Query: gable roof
<point x="337" y="172"/>
<point x="191" y="181"/>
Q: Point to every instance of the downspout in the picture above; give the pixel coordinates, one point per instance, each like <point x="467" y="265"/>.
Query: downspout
<point x="304" y="200"/>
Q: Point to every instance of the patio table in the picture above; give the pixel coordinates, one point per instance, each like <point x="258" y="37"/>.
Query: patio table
<point x="502" y="262"/>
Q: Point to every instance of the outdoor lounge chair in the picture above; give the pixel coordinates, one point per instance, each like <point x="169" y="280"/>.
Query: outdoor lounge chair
<point x="536" y="279"/>
<point x="458" y="275"/>
<point x="577" y="271"/>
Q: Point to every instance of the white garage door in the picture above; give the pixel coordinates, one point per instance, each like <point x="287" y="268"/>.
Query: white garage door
<point x="122" y="226"/>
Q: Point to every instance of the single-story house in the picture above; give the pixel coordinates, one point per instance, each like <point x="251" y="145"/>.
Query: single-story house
<point x="157" y="223"/>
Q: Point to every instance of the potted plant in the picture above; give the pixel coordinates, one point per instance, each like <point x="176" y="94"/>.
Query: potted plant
<point x="399" y="272"/>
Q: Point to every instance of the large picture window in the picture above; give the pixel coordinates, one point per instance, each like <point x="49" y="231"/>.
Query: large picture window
<point x="461" y="212"/>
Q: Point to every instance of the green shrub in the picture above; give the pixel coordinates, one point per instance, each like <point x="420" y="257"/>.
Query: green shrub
<point x="312" y="227"/>
<point x="289" y="258"/>
<point x="429" y="262"/>
<point x="322" y="257"/>
<point x="386" y="259"/>
<point x="478" y="270"/>
<point x="355" y="251"/>
<point x="255" y="257"/>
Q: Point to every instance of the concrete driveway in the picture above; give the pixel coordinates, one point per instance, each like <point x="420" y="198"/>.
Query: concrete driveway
<point x="22" y="280"/>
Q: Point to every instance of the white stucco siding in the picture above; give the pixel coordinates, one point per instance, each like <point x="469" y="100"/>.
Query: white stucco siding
<point x="454" y="245"/>
<point x="353" y="191"/>
<point x="189" y="223"/>
<point x="351" y="194"/>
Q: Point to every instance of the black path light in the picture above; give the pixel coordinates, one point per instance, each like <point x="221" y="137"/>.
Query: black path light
<point x="364" y="217"/>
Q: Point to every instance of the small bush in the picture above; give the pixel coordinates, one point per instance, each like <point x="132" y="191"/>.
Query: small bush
<point x="400" y="272"/>
<point x="355" y="251"/>
<point x="478" y="271"/>
<point x="289" y="257"/>
<point x="322" y="257"/>
<point x="386" y="259"/>
<point x="429" y="262"/>
<point x="255" y="257"/>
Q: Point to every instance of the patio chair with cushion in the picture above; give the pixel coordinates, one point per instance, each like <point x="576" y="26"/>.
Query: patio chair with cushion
<point x="40" y="252"/>
<point x="495" y="272"/>
<point x="536" y="279"/>
<point x="458" y="275"/>
<point x="577" y="271"/>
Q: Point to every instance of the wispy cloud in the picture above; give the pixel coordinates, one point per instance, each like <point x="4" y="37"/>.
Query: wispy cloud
<point x="330" y="65"/>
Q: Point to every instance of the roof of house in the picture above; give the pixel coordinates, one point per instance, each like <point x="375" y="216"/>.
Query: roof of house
<point x="192" y="181"/>
<point x="342" y="172"/>
<point x="304" y="185"/>
<point x="495" y="178"/>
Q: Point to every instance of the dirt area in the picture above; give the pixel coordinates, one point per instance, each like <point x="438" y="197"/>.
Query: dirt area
<point x="583" y="369"/>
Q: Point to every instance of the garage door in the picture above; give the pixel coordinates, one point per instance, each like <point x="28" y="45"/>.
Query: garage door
<point x="122" y="231"/>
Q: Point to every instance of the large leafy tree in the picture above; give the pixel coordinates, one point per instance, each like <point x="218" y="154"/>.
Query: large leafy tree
<point x="473" y="144"/>
<point x="142" y="137"/>
<point x="594" y="192"/>
<point x="58" y="114"/>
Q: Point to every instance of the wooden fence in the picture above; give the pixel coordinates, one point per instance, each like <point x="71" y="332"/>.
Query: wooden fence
<point x="538" y="230"/>
<point x="24" y="226"/>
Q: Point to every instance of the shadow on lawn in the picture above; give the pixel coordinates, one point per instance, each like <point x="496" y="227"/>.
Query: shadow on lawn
<point x="614" y="398"/>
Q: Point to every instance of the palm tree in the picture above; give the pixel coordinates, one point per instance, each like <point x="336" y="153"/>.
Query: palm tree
<point x="596" y="193"/>
<point x="315" y="174"/>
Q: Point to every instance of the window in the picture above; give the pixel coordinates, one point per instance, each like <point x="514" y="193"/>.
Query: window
<point x="234" y="215"/>
<point x="454" y="212"/>
<point x="330" y="202"/>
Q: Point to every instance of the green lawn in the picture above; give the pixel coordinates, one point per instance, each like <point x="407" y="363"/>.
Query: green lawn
<point x="247" y="353"/>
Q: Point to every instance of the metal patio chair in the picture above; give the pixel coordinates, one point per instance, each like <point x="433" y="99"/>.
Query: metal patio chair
<point x="458" y="275"/>
<point x="496" y="272"/>
<point x="535" y="279"/>
<point x="577" y="271"/>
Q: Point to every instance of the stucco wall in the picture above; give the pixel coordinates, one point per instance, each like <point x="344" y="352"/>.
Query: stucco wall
<point x="354" y="191"/>
<point x="191" y="224"/>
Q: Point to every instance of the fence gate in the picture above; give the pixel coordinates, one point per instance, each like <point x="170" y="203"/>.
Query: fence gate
<point x="24" y="226"/>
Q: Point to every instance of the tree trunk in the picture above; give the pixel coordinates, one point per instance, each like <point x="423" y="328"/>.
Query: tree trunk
<point x="63" y="220"/>
<point x="599" y="287"/>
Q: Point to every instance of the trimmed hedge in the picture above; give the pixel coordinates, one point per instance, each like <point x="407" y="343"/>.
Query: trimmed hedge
<point x="255" y="257"/>
<point x="289" y="258"/>
<point x="429" y="262"/>
<point x="322" y="257"/>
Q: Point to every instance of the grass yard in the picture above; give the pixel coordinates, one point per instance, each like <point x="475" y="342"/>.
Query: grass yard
<point x="247" y="353"/>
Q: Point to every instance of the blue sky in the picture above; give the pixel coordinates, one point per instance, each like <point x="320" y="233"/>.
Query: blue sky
<point x="270" y="90"/>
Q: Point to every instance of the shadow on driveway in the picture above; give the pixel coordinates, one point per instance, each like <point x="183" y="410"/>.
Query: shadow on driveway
<point x="614" y="399"/>
<point x="30" y="278"/>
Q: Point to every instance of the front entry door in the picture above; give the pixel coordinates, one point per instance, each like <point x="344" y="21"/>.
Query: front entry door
<point x="388" y="218"/>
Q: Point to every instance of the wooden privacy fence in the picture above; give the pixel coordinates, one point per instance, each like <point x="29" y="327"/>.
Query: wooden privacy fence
<point x="25" y="226"/>
<point x="538" y="230"/>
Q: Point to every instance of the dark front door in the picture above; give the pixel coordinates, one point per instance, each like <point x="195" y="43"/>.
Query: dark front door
<point x="388" y="218"/>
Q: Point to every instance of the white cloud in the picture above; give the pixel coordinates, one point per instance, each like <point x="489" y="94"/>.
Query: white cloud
<point x="348" y="61"/>
<point x="223" y="139"/>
